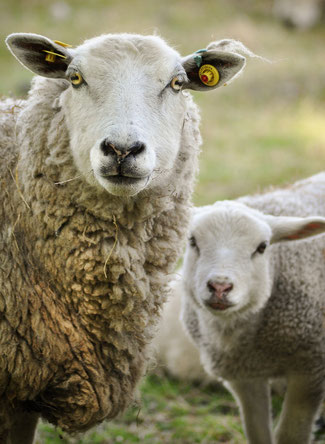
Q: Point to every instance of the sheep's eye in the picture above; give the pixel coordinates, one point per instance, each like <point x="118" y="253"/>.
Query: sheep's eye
<point x="261" y="248"/>
<point x="192" y="242"/>
<point x="76" y="79"/>
<point x="177" y="83"/>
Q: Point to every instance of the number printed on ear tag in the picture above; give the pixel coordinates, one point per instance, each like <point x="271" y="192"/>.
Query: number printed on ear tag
<point x="209" y="75"/>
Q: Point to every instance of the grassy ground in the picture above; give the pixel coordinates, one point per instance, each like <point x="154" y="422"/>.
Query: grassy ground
<point x="266" y="128"/>
<point x="171" y="412"/>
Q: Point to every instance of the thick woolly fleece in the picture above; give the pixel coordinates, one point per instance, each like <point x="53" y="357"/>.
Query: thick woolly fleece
<point x="73" y="337"/>
<point x="287" y="335"/>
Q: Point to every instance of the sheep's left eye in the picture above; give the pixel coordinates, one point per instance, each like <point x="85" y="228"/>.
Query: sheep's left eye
<point x="261" y="248"/>
<point x="76" y="79"/>
<point x="193" y="244"/>
<point x="177" y="83"/>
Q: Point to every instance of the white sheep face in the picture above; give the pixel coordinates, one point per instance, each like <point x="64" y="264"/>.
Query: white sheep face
<point x="227" y="267"/>
<point x="123" y="103"/>
<point x="227" y="257"/>
<point x="128" y="102"/>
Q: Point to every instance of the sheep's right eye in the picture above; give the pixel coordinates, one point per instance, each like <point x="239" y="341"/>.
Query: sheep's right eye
<point x="192" y="242"/>
<point x="177" y="83"/>
<point x="76" y="79"/>
<point x="261" y="248"/>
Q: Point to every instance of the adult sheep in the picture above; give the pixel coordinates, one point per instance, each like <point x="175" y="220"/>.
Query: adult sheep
<point x="97" y="170"/>
<point x="254" y="304"/>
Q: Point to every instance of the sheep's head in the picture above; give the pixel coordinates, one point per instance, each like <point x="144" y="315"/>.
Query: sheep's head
<point x="227" y="262"/>
<point x="124" y="105"/>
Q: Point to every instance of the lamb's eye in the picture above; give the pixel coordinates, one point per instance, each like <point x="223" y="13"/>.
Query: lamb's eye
<point x="177" y="83"/>
<point x="261" y="248"/>
<point x="76" y="79"/>
<point x="192" y="242"/>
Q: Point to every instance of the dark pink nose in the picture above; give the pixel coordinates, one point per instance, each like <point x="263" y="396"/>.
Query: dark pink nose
<point x="220" y="289"/>
<point x="219" y="292"/>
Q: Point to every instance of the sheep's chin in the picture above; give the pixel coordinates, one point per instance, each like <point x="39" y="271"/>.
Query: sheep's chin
<point x="124" y="189"/>
<point x="221" y="313"/>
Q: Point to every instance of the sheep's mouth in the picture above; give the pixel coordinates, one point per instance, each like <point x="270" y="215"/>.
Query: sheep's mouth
<point x="219" y="305"/>
<point x="121" y="179"/>
<point x="123" y="184"/>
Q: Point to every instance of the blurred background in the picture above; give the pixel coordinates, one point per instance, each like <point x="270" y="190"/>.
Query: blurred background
<point x="267" y="128"/>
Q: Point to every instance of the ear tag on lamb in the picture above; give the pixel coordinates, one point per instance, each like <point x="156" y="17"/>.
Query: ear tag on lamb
<point x="209" y="75"/>
<point x="51" y="56"/>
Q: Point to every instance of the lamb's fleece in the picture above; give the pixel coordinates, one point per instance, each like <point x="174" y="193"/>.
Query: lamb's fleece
<point x="300" y="199"/>
<point x="293" y="317"/>
<point x="173" y="348"/>
<point x="275" y="326"/>
<point x="73" y="341"/>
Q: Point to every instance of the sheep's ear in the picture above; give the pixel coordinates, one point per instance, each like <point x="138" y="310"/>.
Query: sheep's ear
<point x="216" y="65"/>
<point x="40" y="54"/>
<point x="295" y="228"/>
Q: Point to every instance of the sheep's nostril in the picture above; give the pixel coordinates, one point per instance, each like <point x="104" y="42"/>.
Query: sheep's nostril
<point x="121" y="152"/>
<point x="210" y="287"/>
<point x="137" y="148"/>
<point x="107" y="148"/>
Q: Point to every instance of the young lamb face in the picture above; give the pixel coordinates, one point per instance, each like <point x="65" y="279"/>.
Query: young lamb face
<point x="227" y="262"/>
<point x="124" y="105"/>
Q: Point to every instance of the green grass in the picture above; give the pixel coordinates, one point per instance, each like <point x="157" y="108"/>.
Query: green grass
<point x="267" y="128"/>
<point x="169" y="412"/>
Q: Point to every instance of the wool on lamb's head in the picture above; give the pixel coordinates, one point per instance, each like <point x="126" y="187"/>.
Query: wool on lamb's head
<point x="123" y="103"/>
<point x="227" y="268"/>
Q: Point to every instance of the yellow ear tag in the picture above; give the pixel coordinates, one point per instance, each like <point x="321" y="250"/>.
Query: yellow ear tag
<point x="209" y="75"/>
<point x="65" y="45"/>
<point x="51" y="56"/>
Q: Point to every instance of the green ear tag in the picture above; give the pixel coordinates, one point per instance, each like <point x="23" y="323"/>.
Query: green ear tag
<point x="198" y="60"/>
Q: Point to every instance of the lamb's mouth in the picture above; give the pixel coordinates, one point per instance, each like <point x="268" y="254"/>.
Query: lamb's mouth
<point x="219" y="305"/>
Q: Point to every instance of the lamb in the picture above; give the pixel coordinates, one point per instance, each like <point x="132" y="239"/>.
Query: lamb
<point x="97" y="170"/>
<point x="253" y="303"/>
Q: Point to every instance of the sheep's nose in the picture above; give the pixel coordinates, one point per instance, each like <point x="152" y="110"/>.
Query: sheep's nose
<point x="121" y="152"/>
<point x="220" y="289"/>
<point x="219" y="295"/>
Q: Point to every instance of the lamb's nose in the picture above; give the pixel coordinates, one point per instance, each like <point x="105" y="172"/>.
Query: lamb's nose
<point x="121" y="152"/>
<point x="220" y="289"/>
